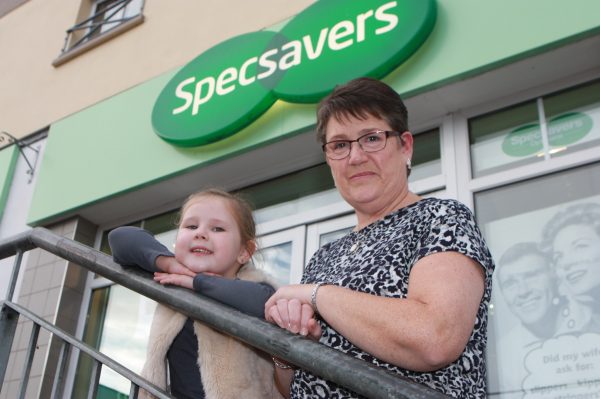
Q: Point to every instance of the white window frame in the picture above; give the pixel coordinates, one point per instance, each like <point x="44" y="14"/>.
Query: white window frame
<point x="316" y="230"/>
<point x="295" y="236"/>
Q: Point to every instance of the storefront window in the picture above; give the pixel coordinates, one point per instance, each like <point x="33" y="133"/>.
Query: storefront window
<point x="276" y="260"/>
<point x="426" y="159"/>
<point x="125" y="334"/>
<point x="504" y="139"/>
<point x="119" y="321"/>
<point x="545" y="313"/>
<point x="573" y="119"/>
<point x="514" y="137"/>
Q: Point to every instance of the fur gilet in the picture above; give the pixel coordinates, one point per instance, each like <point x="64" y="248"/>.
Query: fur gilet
<point x="230" y="369"/>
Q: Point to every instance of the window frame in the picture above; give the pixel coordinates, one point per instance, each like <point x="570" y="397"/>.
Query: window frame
<point x="77" y="43"/>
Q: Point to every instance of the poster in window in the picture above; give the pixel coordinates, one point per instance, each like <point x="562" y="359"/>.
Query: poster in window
<point x="547" y="301"/>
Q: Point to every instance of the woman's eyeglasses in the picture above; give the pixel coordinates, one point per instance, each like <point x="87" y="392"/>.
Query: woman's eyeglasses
<point x="371" y="142"/>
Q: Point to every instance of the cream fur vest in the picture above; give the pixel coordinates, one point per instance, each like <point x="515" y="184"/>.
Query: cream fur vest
<point x="229" y="369"/>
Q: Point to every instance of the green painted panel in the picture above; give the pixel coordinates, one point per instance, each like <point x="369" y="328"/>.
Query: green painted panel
<point x="8" y="161"/>
<point x="111" y="148"/>
<point x="473" y="36"/>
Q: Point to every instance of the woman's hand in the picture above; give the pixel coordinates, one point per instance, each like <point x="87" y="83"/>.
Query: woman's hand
<point x="290" y="309"/>
<point x="174" y="279"/>
<point x="169" y="264"/>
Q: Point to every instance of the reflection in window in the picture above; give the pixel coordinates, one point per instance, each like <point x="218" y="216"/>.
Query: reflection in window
<point x="125" y="317"/>
<point x="332" y="236"/>
<point x="108" y="14"/>
<point x="426" y="160"/>
<point x="514" y="137"/>
<point x="276" y="261"/>
<point x="573" y="119"/>
<point x="98" y="17"/>
<point x="545" y="313"/>
<point x="505" y="138"/>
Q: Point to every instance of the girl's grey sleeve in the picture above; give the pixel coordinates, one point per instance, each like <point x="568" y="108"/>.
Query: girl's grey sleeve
<point x="246" y="296"/>
<point x="135" y="246"/>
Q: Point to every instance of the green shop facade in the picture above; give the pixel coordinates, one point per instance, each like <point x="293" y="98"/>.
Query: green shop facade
<point x="504" y="103"/>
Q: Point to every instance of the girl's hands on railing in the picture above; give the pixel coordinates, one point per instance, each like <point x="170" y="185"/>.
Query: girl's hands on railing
<point x="174" y="279"/>
<point x="173" y="272"/>
<point x="169" y="264"/>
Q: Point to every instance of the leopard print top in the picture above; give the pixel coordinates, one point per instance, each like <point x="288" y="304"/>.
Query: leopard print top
<point x="380" y="265"/>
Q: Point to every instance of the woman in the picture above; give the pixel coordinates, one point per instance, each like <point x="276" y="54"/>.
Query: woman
<point x="573" y="236"/>
<point x="408" y="289"/>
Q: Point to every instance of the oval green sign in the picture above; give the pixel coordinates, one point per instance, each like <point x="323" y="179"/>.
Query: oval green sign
<point x="563" y="130"/>
<point x="569" y="128"/>
<point x="230" y="85"/>
<point x="523" y="141"/>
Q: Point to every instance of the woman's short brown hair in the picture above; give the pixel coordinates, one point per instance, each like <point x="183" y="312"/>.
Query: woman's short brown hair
<point x="361" y="98"/>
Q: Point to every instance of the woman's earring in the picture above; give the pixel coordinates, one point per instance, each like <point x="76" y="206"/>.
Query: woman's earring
<point x="408" y="164"/>
<point x="555" y="301"/>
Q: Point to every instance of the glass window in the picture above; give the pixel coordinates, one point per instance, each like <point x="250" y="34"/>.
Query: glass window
<point x="108" y="14"/>
<point x="96" y="18"/>
<point x="124" y="317"/>
<point x="426" y="160"/>
<point x="514" y="137"/>
<point x="573" y="119"/>
<point x="545" y="312"/>
<point x="504" y="139"/>
<point x="300" y="184"/>
<point x="281" y="255"/>
<point x="321" y="233"/>
<point x="161" y="223"/>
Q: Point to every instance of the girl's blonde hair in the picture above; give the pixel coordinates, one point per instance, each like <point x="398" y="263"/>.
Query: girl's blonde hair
<point x="240" y="208"/>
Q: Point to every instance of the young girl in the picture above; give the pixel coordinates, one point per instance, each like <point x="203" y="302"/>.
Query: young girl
<point x="215" y="241"/>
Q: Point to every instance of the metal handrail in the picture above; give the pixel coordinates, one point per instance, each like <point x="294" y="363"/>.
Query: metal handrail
<point x="99" y="357"/>
<point x="354" y="374"/>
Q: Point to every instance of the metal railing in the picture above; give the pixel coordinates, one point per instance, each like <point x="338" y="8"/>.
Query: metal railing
<point x="356" y="375"/>
<point x="93" y="25"/>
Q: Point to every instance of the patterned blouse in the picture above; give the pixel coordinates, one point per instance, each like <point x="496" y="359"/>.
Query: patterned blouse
<point x="378" y="260"/>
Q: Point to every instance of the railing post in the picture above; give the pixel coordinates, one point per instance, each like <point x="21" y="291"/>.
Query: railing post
<point x="57" y="385"/>
<point x="12" y="283"/>
<point x="134" y="390"/>
<point x="8" y="325"/>
<point x="95" y="379"/>
<point x="35" y="332"/>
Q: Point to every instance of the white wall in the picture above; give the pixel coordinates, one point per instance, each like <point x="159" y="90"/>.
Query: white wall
<point x="17" y="208"/>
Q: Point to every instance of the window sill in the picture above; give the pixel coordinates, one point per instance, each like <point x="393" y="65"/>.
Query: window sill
<point x="97" y="41"/>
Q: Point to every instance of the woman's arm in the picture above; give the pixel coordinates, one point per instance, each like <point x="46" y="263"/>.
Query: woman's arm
<point x="423" y="332"/>
<point x="283" y="380"/>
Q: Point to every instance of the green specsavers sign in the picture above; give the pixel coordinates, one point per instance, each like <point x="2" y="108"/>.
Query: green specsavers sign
<point x="563" y="130"/>
<point x="333" y="41"/>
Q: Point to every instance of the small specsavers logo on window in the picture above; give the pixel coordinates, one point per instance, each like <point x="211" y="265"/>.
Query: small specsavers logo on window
<point x="231" y="84"/>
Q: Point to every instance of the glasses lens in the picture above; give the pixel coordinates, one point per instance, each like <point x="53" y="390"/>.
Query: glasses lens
<point x="373" y="141"/>
<point x="337" y="149"/>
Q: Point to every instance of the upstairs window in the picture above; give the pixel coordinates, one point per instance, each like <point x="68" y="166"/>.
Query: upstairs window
<point x="108" y="14"/>
<point x="99" y="21"/>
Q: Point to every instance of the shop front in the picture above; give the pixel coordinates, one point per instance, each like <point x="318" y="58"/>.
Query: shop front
<point x="505" y="110"/>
